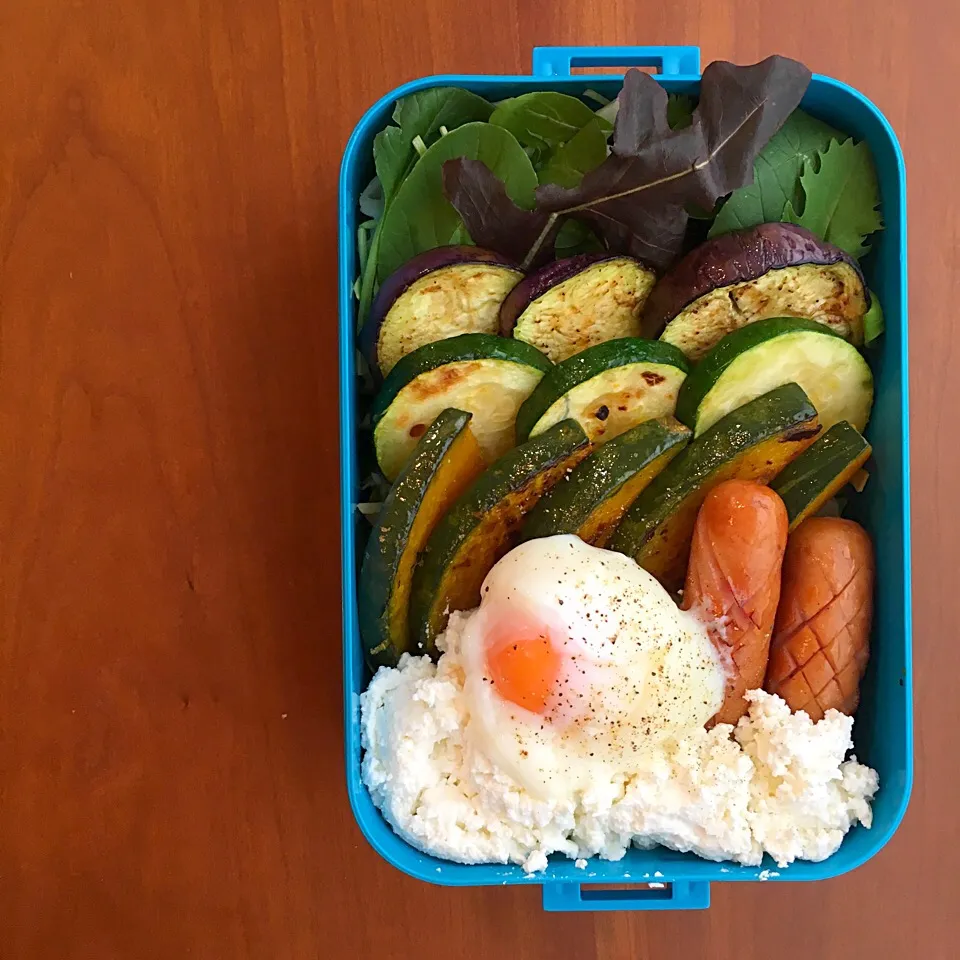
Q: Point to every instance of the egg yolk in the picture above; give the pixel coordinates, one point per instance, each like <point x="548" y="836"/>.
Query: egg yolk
<point x="523" y="664"/>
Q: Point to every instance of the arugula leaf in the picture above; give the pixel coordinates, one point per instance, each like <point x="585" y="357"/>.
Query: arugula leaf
<point x="841" y="197"/>
<point x="421" y="114"/>
<point x="420" y="216"/>
<point x="544" y="120"/>
<point x="776" y="175"/>
<point x="583" y="152"/>
<point x="635" y="200"/>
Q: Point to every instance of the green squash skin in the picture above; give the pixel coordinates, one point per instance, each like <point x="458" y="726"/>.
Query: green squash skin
<point x="821" y="470"/>
<point x="601" y="475"/>
<point x="706" y="373"/>
<point x="388" y="539"/>
<point x="782" y="416"/>
<point x="466" y="347"/>
<point x="587" y="364"/>
<point x="492" y="505"/>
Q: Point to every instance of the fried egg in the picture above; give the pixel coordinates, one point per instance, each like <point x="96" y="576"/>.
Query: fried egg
<point x="576" y="661"/>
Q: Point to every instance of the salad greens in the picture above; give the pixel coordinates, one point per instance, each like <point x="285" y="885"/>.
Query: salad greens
<point x="636" y="199"/>
<point x="840" y="197"/>
<point x="420" y="217"/>
<point x="418" y="119"/>
<point x="776" y="174"/>
<point x="544" y="174"/>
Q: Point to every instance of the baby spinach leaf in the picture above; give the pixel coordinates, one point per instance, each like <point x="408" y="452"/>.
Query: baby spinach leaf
<point x="544" y="120"/>
<point x="873" y="320"/>
<point x="421" y="114"/>
<point x="776" y="175"/>
<point x="371" y="200"/>
<point x="419" y="118"/>
<point x="583" y="152"/>
<point x="840" y="199"/>
<point x="420" y="216"/>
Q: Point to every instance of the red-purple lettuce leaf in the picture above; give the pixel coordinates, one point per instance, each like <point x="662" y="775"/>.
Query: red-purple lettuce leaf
<point x="635" y="200"/>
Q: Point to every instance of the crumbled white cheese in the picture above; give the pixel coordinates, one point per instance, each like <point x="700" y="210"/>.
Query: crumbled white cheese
<point x="781" y="785"/>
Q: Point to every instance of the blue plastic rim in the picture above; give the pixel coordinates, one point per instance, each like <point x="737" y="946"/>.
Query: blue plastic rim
<point x="884" y="727"/>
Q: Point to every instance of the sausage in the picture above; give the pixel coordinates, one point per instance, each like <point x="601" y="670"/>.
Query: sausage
<point x="820" y="643"/>
<point x="733" y="581"/>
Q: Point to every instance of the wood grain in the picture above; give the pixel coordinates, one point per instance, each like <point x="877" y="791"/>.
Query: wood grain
<point x="171" y="781"/>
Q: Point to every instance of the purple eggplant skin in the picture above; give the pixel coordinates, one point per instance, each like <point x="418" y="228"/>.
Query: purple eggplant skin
<point x="535" y="285"/>
<point x="404" y="277"/>
<point x="737" y="257"/>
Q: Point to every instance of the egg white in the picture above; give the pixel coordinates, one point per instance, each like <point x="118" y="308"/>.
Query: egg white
<point x="635" y="667"/>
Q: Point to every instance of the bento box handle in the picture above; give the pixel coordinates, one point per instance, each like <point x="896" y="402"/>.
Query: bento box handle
<point x="560" y="61"/>
<point x="680" y="895"/>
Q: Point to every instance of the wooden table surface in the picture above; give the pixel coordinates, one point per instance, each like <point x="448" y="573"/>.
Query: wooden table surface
<point x="171" y="779"/>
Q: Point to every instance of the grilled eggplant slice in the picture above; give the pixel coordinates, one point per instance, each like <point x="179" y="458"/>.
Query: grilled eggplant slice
<point x="484" y="375"/>
<point x="577" y="303"/>
<point x="771" y="270"/>
<point x="439" y="294"/>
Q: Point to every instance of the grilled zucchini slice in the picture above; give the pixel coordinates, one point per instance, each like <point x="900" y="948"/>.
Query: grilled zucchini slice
<point x="768" y="353"/>
<point x="607" y="389"/>
<point x="484" y="375"/>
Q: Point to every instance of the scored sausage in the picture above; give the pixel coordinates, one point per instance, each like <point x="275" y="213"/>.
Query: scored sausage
<point x="820" y="643"/>
<point x="733" y="581"/>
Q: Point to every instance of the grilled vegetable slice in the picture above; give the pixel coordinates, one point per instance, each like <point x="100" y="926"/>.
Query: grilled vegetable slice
<point x="482" y="526"/>
<point x="754" y="442"/>
<point x="771" y="270"/>
<point x="573" y="304"/>
<point x="821" y="471"/>
<point x="766" y="354"/>
<point x="608" y="388"/>
<point x="487" y="376"/>
<point x="593" y="497"/>
<point x="439" y="294"/>
<point x="446" y="460"/>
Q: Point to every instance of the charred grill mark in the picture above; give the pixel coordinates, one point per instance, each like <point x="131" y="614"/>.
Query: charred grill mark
<point x="804" y="433"/>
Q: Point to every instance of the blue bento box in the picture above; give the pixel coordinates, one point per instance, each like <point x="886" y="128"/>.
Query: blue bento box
<point x="884" y="726"/>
